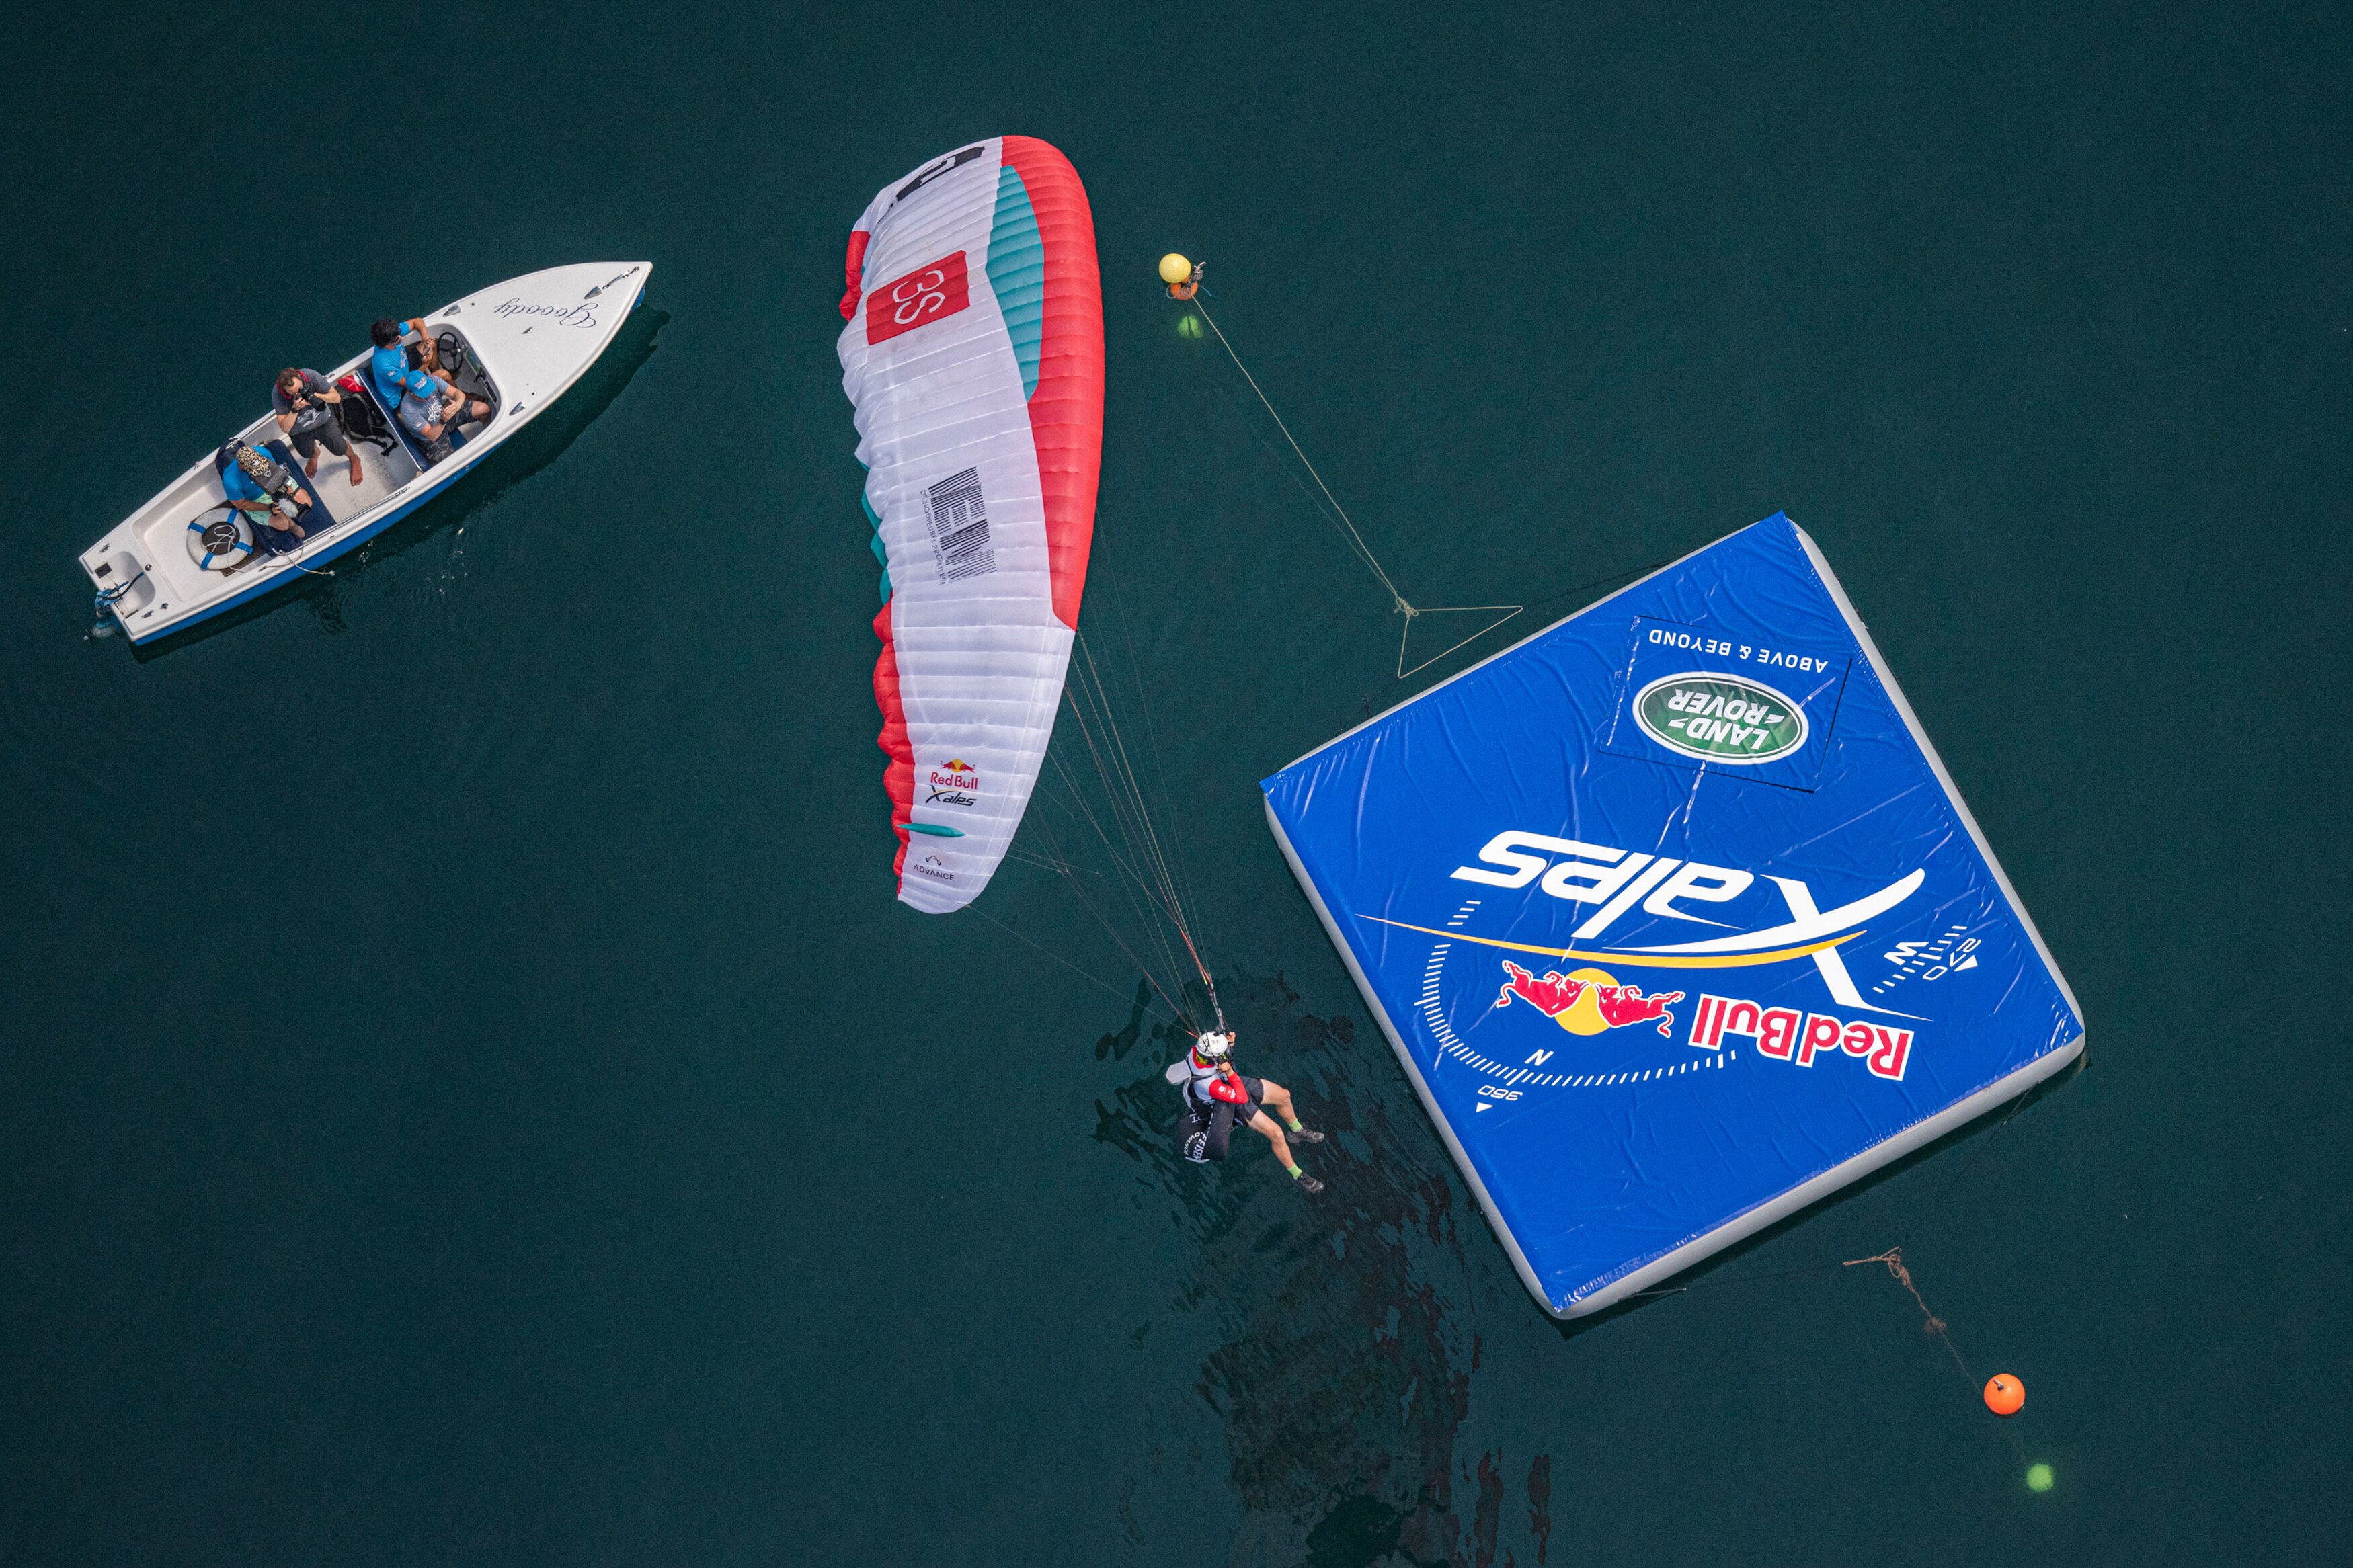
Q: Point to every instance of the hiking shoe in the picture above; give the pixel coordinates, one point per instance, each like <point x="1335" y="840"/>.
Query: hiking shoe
<point x="1302" y="1135"/>
<point x="1308" y="1182"/>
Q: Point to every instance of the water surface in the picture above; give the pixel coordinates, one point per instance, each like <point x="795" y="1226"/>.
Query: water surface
<point x="468" y="1097"/>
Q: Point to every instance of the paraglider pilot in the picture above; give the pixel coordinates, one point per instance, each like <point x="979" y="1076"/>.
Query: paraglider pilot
<point x="1217" y="1097"/>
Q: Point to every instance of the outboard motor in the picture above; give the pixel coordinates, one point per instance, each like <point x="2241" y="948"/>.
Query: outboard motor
<point x="123" y="586"/>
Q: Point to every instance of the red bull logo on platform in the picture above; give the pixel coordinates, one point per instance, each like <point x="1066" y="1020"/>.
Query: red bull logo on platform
<point x="1788" y="1034"/>
<point x="1587" y="1001"/>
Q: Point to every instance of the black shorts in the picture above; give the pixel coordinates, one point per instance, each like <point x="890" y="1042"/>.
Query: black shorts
<point x="306" y="442"/>
<point x="1206" y="1128"/>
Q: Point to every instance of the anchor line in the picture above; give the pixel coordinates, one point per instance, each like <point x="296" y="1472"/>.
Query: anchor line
<point x="1339" y="515"/>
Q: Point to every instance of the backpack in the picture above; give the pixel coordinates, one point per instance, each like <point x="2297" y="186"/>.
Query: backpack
<point x="360" y="418"/>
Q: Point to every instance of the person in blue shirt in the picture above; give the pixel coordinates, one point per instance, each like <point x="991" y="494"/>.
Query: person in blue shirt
<point x="246" y="476"/>
<point x="390" y="367"/>
<point x="419" y="408"/>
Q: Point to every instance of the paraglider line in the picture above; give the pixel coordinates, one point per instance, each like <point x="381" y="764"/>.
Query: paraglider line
<point x="1130" y="882"/>
<point x="1163" y="890"/>
<point x="1167" y="888"/>
<point x="1085" y="974"/>
<point x="1145" y="854"/>
<point x="1145" y="841"/>
<point x="1060" y="867"/>
<point x="1139" y="854"/>
<point x="1125" y="808"/>
<point x="1152" y="738"/>
<point x="1151" y="978"/>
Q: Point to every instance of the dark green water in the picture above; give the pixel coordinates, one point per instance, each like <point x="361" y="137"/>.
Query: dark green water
<point x="468" y="1097"/>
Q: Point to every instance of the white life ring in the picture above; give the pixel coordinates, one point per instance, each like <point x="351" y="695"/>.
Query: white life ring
<point x="220" y="539"/>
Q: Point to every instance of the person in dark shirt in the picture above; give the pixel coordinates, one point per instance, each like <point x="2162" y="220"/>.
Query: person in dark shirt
<point x="431" y="408"/>
<point x="304" y="402"/>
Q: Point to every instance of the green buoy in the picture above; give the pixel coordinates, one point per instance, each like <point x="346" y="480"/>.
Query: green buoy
<point x="2039" y="1478"/>
<point x="1188" y="326"/>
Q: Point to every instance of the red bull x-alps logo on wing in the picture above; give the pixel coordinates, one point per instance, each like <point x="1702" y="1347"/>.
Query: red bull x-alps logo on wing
<point x="1617" y="972"/>
<point x="955" y="783"/>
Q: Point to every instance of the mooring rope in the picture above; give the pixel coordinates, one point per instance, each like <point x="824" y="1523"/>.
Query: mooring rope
<point x="1356" y="538"/>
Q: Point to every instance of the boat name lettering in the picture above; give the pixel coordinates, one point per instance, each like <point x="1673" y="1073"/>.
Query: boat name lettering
<point x="583" y="314"/>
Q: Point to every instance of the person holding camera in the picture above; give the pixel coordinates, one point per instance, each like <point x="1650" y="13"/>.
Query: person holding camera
<point x="304" y="402"/>
<point x="273" y="504"/>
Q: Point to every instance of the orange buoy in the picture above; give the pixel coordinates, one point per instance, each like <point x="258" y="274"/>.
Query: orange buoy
<point x="2005" y="1396"/>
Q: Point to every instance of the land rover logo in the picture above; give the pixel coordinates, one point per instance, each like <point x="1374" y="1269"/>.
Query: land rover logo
<point x="1720" y="717"/>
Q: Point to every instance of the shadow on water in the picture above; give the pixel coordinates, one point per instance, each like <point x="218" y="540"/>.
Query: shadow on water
<point x="538" y="444"/>
<point x="1341" y="1378"/>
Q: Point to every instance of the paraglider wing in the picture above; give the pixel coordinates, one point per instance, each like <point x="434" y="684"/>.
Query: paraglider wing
<point x="973" y="352"/>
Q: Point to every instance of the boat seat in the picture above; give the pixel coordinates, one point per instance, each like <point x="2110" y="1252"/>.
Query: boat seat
<point x="318" y="517"/>
<point x="391" y="417"/>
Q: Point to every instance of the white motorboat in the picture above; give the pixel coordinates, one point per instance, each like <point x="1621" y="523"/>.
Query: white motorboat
<point x="187" y="556"/>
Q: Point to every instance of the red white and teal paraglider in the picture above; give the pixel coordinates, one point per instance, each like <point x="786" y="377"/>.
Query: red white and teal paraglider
<point x="974" y="354"/>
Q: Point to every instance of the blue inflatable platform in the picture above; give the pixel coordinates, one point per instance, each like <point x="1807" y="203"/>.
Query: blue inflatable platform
<point x="1674" y="918"/>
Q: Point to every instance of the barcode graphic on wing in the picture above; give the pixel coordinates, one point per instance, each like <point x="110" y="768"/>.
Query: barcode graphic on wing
<point x="960" y="528"/>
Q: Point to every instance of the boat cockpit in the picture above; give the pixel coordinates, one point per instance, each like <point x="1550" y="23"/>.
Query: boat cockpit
<point x="391" y="458"/>
<point x="455" y="360"/>
<point x="220" y="542"/>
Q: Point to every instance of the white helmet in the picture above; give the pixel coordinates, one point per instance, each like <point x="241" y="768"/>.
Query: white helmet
<point x="1212" y="1045"/>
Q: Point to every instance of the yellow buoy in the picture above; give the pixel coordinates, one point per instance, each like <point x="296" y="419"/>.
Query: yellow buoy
<point x="1174" y="268"/>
